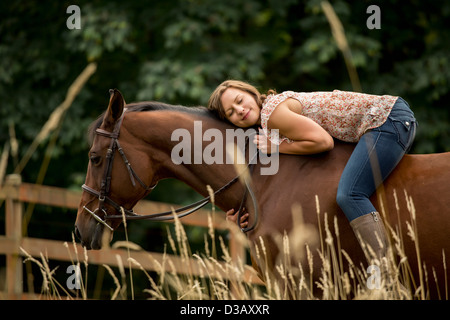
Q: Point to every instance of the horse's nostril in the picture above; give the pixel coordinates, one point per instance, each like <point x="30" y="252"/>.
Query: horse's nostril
<point x="77" y="233"/>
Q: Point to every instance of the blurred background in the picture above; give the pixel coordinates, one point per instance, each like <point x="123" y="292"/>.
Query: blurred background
<point x="178" y="51"/>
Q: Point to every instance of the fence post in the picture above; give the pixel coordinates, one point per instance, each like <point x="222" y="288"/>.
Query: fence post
<point x="13" y="231"/>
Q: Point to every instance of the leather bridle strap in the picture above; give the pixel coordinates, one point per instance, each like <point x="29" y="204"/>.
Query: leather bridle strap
<point x="168" y="215"/>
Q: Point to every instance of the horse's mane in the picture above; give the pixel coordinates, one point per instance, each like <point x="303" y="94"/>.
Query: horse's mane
<point x="148" y="106"/>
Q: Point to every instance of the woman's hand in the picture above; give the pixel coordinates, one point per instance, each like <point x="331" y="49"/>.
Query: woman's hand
<point x="263" y="143"/>
<point x="232" y="216"/>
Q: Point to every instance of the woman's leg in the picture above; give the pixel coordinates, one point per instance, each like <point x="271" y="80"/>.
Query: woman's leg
<point x="373" y="159"/>
<point x="375" y="156"/>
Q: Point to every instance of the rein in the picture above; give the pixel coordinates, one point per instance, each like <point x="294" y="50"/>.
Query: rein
<point x="129" y="214"/>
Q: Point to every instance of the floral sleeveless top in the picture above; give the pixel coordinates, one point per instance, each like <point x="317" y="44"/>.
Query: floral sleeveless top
<point x="344" y="115"/>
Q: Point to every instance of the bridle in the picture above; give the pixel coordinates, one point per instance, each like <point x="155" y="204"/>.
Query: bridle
<point x="129" y="214"/>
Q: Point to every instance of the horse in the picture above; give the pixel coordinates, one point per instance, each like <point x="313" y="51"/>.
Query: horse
<point x="145" y="131"/>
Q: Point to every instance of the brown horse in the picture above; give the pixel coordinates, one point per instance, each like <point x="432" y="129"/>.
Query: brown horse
<point x="146" y="142"/>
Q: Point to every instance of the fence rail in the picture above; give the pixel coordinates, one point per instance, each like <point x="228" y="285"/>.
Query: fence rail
<point x="15" y="193"/>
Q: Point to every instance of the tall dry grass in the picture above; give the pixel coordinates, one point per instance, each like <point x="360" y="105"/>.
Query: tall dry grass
<point x="210" y="276"/>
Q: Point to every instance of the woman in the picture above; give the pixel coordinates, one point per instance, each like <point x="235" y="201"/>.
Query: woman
<point x="383" y="128"/>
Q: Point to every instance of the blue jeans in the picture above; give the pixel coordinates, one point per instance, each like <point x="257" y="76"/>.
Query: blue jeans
<point x="376" y="154"/>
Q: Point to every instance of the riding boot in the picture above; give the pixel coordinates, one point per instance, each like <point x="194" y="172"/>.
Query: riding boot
<point x="370" y="231"/>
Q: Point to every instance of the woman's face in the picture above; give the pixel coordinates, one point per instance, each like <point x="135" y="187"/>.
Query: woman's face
<point x="240" y="108"/>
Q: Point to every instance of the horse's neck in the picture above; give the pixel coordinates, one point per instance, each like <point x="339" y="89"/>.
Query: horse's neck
<point x="161" y="136"/>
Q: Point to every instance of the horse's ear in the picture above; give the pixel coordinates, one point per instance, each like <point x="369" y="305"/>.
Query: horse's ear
<point x="115" y="108"/>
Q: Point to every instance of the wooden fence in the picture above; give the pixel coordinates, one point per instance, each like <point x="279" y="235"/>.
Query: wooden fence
<point x="15" y="193"/>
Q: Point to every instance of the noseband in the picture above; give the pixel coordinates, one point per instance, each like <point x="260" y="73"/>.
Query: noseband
<point x="129" y="214"/>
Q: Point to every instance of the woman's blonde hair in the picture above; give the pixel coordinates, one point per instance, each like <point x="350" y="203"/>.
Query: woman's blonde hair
<point x="215" y="102"/>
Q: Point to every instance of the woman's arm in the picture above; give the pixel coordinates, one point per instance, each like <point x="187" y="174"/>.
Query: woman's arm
<point x="305" y="147"/>
<point x="309" y="137"/>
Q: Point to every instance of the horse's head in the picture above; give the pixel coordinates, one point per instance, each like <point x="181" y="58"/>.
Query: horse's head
<point x="112" y="185"/>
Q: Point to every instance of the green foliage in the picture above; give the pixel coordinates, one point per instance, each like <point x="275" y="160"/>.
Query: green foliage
<point x="104" y="30"/>
<point x="177" y="51"/>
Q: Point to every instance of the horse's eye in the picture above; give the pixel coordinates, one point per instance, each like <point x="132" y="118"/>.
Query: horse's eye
<point x="95" y="160"/>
